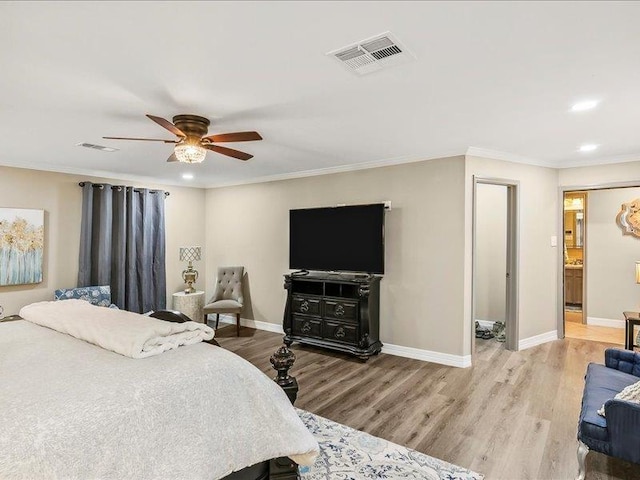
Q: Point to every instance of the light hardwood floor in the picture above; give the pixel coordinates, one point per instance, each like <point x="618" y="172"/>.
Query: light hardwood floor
<point x="574" y="328"/>
<point x="513" y="415"/>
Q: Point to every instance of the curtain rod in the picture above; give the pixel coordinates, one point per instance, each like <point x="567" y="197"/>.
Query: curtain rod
<point x="120" y="187"/>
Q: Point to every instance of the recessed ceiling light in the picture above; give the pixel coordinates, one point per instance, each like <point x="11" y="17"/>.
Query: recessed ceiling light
<point x="584" y="105"/>
<point x="187" y="176"/>
<point x="588" y="147"/>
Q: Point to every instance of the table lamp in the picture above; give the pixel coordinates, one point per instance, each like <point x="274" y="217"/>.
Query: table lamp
<point x="190" y="275"/>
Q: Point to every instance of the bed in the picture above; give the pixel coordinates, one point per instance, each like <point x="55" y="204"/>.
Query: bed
<point x="72" y="409"/>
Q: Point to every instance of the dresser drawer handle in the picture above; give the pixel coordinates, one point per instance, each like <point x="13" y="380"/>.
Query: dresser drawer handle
<point x="339" y="311"/>
<point x="306" y="328"/>
<point x="340" y="333"/>
<point x="304" y="307"/>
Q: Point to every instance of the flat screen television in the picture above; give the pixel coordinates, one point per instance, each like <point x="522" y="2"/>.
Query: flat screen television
<point x="348" y="239"/>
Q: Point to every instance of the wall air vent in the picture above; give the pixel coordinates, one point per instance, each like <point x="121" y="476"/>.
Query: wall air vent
<point x="373" y="54"/>
<point x="97" y="147"/>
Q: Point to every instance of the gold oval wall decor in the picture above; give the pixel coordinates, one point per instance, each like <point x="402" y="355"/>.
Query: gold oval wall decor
<point x="629" y="218"/>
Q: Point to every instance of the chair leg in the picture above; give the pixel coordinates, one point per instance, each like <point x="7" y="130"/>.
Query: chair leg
<point x="217" y="320"/>
<point x="237" y="324"/>
<point x="582" y="455"/>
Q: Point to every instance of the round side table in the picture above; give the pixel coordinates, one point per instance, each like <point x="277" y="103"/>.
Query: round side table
<point x="191" y="304"/>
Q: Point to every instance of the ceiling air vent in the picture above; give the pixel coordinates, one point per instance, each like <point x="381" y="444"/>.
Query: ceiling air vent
<point x="373" y="54"/>
<point x="97" y="147"/>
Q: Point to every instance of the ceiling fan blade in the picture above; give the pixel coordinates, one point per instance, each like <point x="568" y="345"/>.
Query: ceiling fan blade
<point x="172" y="158"/>
<point x="168" y="125"/>
<point x="234" y="137"/>
<point x="228" y="152"/>
<point x="142" y="139"/>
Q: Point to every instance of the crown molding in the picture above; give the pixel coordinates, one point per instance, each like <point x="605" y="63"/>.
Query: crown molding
<point x="583" y="162"/>
<point x="45" y="167"/>
<point x="387" y="162"/>
<point x="507" y="157"/>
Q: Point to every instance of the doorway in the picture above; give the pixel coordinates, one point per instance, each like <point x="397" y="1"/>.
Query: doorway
<point x="610" y="255"/>
<point x="574" y="239"/>
<point x="495" y="259"/>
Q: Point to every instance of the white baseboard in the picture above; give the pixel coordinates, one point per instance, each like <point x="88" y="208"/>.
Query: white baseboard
<point x="537" y="340"/>
<point x="605" y="322"/>
<point x="245" y="322"/>
<point x="485" y="323"/>
<point x="461" y="361"/>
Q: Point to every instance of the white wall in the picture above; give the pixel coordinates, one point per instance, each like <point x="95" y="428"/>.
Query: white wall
<point x="537" y="258"/>
<point x="491" y="252"/>
<point x="61" y="198"/>
<point x="610" y="257"/>
<point x="422" y="289"/>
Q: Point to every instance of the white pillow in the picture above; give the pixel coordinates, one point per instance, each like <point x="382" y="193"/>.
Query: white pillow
<point x="630" y="394"/>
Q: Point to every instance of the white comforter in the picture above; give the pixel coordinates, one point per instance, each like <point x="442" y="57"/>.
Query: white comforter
<point x="126" y="333"/>
<point x="72" y="410"/>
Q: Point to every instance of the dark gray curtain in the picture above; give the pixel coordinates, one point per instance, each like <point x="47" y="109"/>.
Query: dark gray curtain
<point x="122" y="244"/>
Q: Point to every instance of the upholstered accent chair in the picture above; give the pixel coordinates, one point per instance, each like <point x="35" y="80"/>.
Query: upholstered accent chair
<point x="228" y="296"/>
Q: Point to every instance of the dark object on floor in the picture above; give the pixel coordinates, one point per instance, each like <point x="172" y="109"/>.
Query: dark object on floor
<point x="617" y="434"/>
<point x="500" y="331"/>
<point x="483" y="332"/>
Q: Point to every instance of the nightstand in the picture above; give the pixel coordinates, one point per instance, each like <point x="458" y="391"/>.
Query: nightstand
<point x="191" y="304"/>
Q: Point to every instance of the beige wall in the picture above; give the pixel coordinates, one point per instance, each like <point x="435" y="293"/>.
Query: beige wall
<point x="422" y="289"/>
<point x="60" y="197"/>
<point x="537" y="259"/>
<point x="600" y="174"/>
<point x="491" y="252"/>
<point x="611" y="256"/>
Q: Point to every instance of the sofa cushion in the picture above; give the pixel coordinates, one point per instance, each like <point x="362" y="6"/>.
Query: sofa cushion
<point x="601" y="384"/>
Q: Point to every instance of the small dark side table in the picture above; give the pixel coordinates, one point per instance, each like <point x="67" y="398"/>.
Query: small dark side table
<point x="632" y="319"/>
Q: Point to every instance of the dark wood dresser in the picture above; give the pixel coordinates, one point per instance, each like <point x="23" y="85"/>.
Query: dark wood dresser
<point x="336" y="311"/>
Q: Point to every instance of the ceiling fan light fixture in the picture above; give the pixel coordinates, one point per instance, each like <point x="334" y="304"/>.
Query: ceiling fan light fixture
<point x="190" y="153"/>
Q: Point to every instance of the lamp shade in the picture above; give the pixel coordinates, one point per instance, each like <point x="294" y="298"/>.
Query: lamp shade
<point x="187" y="153"/>
<point x="190" y="254"/>
<point x="637" y="272"/>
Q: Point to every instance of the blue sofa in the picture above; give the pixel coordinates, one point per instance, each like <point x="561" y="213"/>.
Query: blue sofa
<point x="617" y="434"/>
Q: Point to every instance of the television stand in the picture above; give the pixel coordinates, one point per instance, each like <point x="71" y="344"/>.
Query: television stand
<point x="339" y="312"/>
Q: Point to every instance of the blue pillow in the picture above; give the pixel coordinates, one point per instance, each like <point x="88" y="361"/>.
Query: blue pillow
<point x="99" y="295"/>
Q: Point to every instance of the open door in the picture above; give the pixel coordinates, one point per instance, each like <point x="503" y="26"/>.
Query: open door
<point x="510" y="284"/>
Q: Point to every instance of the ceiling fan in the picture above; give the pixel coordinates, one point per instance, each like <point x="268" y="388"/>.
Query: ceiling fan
<point x="192" y="145"/>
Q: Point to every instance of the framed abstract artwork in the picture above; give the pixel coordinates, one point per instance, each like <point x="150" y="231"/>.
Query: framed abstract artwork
<point x="21" y="246"/>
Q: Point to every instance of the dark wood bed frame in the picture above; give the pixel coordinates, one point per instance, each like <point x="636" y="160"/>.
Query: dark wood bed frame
<point x="282" y="468"/>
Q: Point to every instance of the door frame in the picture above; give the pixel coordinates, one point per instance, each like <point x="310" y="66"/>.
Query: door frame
<point x="513" y="249"/>
<point x="560" y="273"/>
